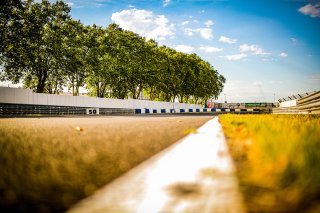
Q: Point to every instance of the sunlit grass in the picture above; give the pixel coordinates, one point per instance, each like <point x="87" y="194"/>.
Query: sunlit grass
<point x="277" y="159"/>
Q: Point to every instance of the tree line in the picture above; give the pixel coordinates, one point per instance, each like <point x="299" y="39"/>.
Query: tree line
<point x="43" y="47"/>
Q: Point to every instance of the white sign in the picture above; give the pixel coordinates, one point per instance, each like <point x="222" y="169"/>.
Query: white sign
<point x="93" y="111"/>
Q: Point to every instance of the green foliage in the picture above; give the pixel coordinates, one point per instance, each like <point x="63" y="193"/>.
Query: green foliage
<point x="43" y="47"/>
<point x="32" y="42"/>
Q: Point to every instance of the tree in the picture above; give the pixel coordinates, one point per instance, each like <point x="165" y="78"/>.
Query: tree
<point x="119" y="61"/>
<point x="33" y="54"/>
<point x="98" y="61"/>
<point x="75" y="50"/>
<point x="44" y="47"/>
<point x="10" y="17"/>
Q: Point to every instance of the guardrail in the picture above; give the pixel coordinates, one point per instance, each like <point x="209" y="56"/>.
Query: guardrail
<point x="310" y="103"/>
<point x="288" y="110"/>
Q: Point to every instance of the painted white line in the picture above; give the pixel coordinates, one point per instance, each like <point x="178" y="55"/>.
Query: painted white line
<point x="194" y="175"/>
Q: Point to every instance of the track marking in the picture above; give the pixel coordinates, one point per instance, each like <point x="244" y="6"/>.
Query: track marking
<point x="194" y="175"/>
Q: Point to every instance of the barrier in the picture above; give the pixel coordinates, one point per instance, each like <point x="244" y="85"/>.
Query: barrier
<point x="310" y="103"/>
<point x="26" y="96"/>
<point x="25" y="99"/>
<point x="16" y="101"/>
<point x="26" y="109"/>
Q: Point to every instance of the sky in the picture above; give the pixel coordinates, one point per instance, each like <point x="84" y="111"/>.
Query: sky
<point x="266" y="49"/>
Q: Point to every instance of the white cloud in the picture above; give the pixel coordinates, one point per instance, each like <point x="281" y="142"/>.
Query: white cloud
<point x="235" y="57"/>
<point x="247" y="48"/>
<point x="227" y="40"/>
<point x="188" y="31"/>
<point x="257" y="83"/>
<point x="294" y="41"/>
<point x="240" y="91"/>
<point x="166" y="2"/>
<point x="209" y="23"/>
<point x="184" y="48"/>
<point x="185" y="23"/>
<point x="145" y="23"/>
<point x="311" y="10"/>
<point x="209" y="49"/>
<point x="283" y="54"/>
<point x="205" y="33"/>
<point x="275" y="82"/>
<point x="315" y="77"/>
<point x="254" y="49"/>
<point x="70" y="4"/>
<point x="82" y="3"/>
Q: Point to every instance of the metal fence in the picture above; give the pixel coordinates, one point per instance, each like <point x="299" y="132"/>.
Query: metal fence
<point x="310" y="103"/>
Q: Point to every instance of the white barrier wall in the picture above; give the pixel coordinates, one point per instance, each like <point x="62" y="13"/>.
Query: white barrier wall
<point x="291" y="103"/>
<point x="26" y="96"/>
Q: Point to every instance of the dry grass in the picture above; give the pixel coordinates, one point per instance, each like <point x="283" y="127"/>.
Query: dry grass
<point x="278" y="160"/>
<point x="48" y="164"/>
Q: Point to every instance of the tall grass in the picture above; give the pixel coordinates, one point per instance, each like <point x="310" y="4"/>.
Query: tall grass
<point x="278" y="160"/>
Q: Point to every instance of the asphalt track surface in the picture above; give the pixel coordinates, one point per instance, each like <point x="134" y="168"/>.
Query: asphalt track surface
<point x="196" y="174"/>
<point x="153" y="128"/>
<point x="40" y="139"/>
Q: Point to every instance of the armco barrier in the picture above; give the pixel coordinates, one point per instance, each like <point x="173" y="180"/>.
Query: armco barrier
<point x="310" y="103"/>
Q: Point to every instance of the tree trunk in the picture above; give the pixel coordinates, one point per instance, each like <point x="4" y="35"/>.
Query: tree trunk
<point x="73" y="86"/>
<point x="139" y="91"/>
<point x="55" y="91"/>
<point x="42" y="77"/>
<point x="196" y="100"/>
<point x="77" y="91"/>
<point x="181" y="99"/>
<point x="97" y="89"/>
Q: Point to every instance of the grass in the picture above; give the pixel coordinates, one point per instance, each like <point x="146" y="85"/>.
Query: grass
<point x="48" y="164"/>
<point x="277" y="159"/>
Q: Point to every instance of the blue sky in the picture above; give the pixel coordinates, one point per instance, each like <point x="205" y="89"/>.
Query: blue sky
<point x="266" y="49"/>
